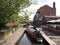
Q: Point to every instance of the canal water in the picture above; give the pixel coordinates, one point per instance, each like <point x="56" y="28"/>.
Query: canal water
<point x="25" y="41"/>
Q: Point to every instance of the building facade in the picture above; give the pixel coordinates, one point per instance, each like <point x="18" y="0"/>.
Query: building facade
<point x="45" y="10"/>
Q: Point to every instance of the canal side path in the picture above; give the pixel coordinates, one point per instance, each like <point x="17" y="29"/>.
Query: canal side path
<point x="14" y="37"/>
<point x="49" y="38"/>
<point x="54" y="37"/>
<point x="45" y="35"/>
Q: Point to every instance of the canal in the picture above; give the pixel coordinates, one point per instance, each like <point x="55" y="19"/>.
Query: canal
<point x="25" y="41"/>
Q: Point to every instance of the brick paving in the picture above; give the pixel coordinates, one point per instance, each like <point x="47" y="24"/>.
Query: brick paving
<point x="12" y="39"/>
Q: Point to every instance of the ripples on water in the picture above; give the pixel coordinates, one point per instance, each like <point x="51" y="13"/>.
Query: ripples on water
<point x="26" y="41"/>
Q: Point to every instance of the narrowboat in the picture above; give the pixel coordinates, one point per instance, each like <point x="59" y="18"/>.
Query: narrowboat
<point x="34" y="35"/>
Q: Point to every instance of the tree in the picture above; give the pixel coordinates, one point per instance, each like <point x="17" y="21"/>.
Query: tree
<point x="24" y="16"/>
<point x="9" y="8"/>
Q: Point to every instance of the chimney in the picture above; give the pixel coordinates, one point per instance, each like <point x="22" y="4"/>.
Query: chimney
<point x="53" y="4"/>
<point x="54" y="9"/>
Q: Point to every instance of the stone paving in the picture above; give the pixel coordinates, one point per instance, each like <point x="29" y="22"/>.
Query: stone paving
<point x="12" y="39"/>
<point x="54" y="37"/>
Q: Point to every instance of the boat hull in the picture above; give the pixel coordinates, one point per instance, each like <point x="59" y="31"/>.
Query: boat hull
<point x="32" y="36"/>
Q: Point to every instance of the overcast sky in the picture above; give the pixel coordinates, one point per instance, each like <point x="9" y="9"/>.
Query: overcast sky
<point x="47" y="2"/>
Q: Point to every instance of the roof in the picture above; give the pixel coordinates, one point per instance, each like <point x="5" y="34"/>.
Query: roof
<point x="46" y="6"/>
<point x="12" y="24"/>
<point x="52" y="16"/>
<point x="52" y="21"/>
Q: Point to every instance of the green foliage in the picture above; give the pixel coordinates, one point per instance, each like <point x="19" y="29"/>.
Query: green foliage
<point x="24" y="19"/>
<point x="13" y="18"/>
<point x="9" y="10"/>
<point x="25" y="16"/>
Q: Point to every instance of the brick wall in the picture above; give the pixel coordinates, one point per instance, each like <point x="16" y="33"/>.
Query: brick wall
<point x="47" y="11"/>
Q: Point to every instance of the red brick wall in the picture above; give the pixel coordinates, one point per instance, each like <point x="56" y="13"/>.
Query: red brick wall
<point x="47" y="11"/>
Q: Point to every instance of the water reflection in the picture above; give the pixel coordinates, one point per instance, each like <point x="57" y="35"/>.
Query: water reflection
<point x="26" y="41"/>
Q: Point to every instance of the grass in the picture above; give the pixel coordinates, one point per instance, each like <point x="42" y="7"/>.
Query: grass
<point x="7" y="32"/>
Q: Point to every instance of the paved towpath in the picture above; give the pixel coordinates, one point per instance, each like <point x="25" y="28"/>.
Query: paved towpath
<point x="12" y="39"/>
<point x="54" y="37"/>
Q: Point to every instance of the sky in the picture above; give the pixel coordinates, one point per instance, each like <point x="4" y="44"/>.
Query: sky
<point x="40" y="3"/>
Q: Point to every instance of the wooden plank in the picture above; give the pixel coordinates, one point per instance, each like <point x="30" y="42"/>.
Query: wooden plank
<point x="47" y="38"/>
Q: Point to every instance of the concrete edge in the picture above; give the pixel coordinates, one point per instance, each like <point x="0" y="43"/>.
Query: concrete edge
<point x="19" y="39"/>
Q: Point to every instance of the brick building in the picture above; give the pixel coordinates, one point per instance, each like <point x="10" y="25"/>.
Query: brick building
<point x="42" y="12"/>
<point x="47" y="10"/>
